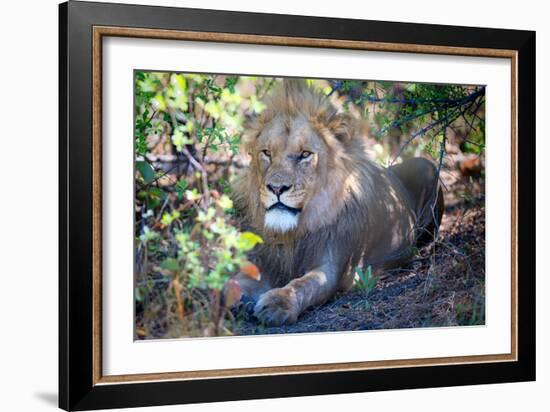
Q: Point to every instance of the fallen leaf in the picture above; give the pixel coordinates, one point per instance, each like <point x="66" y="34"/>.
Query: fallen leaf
<point x="232" y="293"/>
<point x="252" y="271"/>
<point x="471" y="166"/>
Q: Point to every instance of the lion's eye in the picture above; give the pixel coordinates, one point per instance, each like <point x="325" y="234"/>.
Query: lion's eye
<point x="266" y="153"/>
<point x="305" y="154"/>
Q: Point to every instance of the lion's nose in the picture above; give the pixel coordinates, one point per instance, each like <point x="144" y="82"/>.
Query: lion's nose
<point x="279" y="190"/>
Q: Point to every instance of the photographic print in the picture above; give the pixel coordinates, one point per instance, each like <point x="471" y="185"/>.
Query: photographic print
<point x="234" y="184"/>
<point x="268" y="205"/>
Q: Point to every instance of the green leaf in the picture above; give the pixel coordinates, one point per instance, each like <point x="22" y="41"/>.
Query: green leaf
<point x="225" y="202"/>
<point x="146" y="171"/>
<point x="230" y="83"/>
<point x="180" y="138"/>
<point x="366" y="281"/>
<point x="368" y="272"/>
<point x="170" y="264"/>
<point x="181" y="187"/>
<point x="247" y="241"/>
<point x="193" y="194"/>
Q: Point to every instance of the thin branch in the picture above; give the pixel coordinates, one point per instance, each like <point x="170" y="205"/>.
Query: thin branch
<point x="421" y="132"/>
<point x="449" y="104"/>
<point x="197" y="165"/>
<point x="442" y="150"/>
<point x="445" y="120"/>
<point x="159" y="177"/>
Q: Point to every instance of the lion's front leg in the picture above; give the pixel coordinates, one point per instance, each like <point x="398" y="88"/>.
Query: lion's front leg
<point x="283" y="305"/>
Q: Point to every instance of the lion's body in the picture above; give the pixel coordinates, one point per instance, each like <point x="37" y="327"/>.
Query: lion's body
<point x="343" y="209"/>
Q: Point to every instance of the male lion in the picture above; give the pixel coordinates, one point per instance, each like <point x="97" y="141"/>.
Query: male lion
<point x="322" y="206"/>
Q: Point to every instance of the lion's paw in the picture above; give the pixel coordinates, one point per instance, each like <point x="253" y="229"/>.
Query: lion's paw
<point x="277" y="307"/>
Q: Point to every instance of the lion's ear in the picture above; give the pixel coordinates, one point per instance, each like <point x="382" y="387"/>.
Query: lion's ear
<point x="342" y="127"/>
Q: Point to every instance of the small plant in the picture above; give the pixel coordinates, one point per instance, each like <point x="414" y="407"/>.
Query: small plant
<point x="208" y="255"/>
<point x="188" y="242"/>
<point x="364" y="280"/>
<point x="198" y="270"/>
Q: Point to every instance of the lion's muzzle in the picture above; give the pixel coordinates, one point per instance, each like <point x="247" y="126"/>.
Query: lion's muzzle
<point x="281" y="218"/>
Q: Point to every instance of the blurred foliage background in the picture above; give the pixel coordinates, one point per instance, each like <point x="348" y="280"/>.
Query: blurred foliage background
<point x="187" y="137"/>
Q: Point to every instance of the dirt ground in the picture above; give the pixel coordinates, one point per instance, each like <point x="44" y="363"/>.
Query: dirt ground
<point x="443" y="286"/>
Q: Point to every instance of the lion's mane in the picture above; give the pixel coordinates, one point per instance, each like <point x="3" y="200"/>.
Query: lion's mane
<point x="361" y="210"/>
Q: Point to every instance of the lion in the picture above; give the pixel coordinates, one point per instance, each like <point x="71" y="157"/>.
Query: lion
<point x="322" y="206"/>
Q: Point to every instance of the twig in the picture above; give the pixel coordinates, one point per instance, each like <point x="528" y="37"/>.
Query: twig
<point x="442" y="150"/>
<point x="421" y="132"/>
<point x="202" y="170"/>
<point x="162" y="209"/>
<point x="446" y="120"/>
<point x="159" y="177"/>
<point x="472" y="142"/>
<point x="230" y="162"/>
<point x="407" y="119"/>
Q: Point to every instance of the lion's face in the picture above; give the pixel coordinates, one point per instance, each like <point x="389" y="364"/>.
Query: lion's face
<point x="289" y="157"/>
<point x="297" y="180"/>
